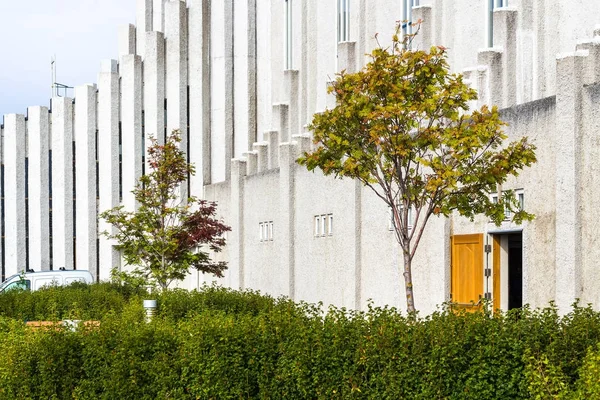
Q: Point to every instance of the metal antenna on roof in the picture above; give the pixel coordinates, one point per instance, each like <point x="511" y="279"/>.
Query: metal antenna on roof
<point x="55" y="85"/>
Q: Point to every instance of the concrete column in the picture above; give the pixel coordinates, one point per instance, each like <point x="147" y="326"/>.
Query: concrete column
<point x="251" y="162"/>
<point x="154" y="89"/>
<point x="38" y="132"/>
<point x="592" y="64"/>
<point x="304" y="49"/>
<point x="158" y="15"/>
<point x="568" y="178"/>
<point x="221" y="90"/>
<point x="272" y="138"/>
<point x="291" y="79"/>
<point x="287" y="161"/>
<point x="62" y="183"/>
<point x="347" y="61"/>
<point x="108" y="160"/>
<point x="424" y="40"/>
<point x="130" y="70"/>
<point x="126" y="39"/>
<point x="281" y="121"/>
<point x="236" y="241"/>
<point x="244" y="78"/>
<point x="492" y="59"/>
<point x="347" y="56"/>
<point x="176" y="67"/>
<point x="505" y="36"/>
<point x="144" y="24"/>
<point x="14" y="193"/>
<point x="199" y="81"/>
<point x="262" y="157"/>
<point x="85" y="180"/>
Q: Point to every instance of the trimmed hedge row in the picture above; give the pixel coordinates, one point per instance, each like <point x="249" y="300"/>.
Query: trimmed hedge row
<point x="221" y="344"/>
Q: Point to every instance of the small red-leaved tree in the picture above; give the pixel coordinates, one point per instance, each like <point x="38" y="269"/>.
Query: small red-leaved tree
<point x="166" y="237"/>
<point x="402" y="127"/>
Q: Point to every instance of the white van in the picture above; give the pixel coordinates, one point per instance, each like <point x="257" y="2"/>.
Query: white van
<point x="31" y="280"/>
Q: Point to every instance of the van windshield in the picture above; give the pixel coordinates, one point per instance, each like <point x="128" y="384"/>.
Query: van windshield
<point x="8" y="281"/>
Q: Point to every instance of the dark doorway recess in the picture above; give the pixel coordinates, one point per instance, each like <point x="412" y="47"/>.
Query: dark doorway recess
<point x="515" y="270"/>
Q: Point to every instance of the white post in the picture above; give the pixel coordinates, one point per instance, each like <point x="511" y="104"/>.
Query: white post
<point x="199" y="80"/>
<point x="177" y="77"/>
<point x="62" y="183"/>
<point x="14" y="193"/>
<point x="131" y="126"/>
<point x="85" y="180"/>
<point x="154" y="89"/>
<point x="108" y="160"/>
<point x="38" y="132"/>
<point x="143" y="23"/>
<point x="126" y="39"/>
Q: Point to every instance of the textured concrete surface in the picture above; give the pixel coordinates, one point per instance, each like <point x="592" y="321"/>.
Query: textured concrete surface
<point x="244" y="105"/>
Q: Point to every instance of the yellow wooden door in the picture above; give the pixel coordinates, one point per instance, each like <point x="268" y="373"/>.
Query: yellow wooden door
<point x="467" y="271"/>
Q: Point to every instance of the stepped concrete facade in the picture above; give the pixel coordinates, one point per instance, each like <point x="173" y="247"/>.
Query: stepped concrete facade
<point x="241" y="79"/>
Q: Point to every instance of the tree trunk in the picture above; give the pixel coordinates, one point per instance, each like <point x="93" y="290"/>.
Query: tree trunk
<point x="408" y="284"/>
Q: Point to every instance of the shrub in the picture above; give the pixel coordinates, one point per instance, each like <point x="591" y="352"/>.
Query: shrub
<point x="220" y="343"/>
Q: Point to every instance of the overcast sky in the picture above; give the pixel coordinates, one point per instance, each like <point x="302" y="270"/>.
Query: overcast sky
<point x="80" y="33"/>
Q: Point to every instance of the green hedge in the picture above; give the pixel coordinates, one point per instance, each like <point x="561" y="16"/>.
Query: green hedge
<point x="221" y="344"/>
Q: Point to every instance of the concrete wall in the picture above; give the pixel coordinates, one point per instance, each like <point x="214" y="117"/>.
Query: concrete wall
<point x="245" y="118"/>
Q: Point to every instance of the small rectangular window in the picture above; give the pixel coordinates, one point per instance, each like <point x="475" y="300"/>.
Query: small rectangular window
<point x="260" y="232"/>
<point x="492" y="5"/>
<point x="330" y="224"/>
<point x="288" y="34"/>
<point x="323" y="222"/>
<point x="317" y="225"/>
<point x="407" y="21"/>
<point x="343" y="20"/>
<point x="271" y="231"/>
<point x="519" y="194"/>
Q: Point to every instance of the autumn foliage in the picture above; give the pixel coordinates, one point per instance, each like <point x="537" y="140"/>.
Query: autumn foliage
<point x="167" y="235"/>
<point x="402" y="126"/>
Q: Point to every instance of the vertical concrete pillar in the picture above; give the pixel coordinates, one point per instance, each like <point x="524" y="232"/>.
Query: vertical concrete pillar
<point x="38" y="133"/>
<point x="272" y="138"/>
<point x="221" y="90"/>
<point x="236" y="241"/>
<point x="303" y="74"/>
<point x="158" y="15"/>
<point x="347" y="56"/>
<point x="492" y="59"/>
<point x="199" y="81"/>
<point x="592" y="64"/>
<point x="143" y="23"/>
<point x="14" y="193"/>
<point x="176" y="69"/>
<point x="287" y="161"/>
<point x="130" y="70"/>
<point x="108" y="160"/>
<point x="291" y="79"/>
<point x="244" y="78"/>
<point x="568" y="178"/>
<point x="424" y="40"/>
<point x="126" y="39"/>
<point x="281" y="121"/>
<point x="505" y="36"/>
<point x="62" y="183"/>
<point x="262" y="156"/>
<point x="154" y="89"/>
<point x="85" y="179"/>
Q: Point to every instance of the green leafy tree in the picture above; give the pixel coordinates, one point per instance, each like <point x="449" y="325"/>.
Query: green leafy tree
<point x="167" y="236"/>
<point x="402" y="127"/>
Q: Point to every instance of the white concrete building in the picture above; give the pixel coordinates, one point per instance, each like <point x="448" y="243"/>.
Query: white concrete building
<point x="242" y="78"/>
